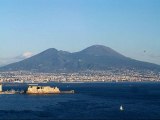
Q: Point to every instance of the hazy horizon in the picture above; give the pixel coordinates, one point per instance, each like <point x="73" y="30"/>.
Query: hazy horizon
<point x="32" y="26"/>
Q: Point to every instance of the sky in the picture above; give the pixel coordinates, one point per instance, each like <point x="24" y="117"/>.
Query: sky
<point x="28" y="27"/>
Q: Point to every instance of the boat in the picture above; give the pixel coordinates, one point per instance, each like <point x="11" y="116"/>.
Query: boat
<point x="121" y="108"/>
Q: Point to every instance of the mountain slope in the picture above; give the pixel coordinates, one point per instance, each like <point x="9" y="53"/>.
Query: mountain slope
<point x="96" y="57"/>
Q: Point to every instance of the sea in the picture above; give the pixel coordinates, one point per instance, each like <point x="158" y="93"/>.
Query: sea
<point x="91" y="101"/>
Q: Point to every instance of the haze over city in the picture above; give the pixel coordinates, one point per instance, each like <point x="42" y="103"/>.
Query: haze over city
<point x="29" y="27"/>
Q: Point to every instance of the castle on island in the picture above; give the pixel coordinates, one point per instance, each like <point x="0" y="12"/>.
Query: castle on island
<point x="35" y="89"/>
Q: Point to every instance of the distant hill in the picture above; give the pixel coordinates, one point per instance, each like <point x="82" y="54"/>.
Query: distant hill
<point x="96" y="57"/>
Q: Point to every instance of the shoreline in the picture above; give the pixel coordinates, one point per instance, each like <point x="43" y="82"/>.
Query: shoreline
<point x="36" y="83"/>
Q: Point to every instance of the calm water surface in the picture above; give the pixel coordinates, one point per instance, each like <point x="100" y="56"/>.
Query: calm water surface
<point x="141" y="101"/>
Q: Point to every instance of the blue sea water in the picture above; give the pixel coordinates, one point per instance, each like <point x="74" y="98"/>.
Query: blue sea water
<point x="141" y="101"/>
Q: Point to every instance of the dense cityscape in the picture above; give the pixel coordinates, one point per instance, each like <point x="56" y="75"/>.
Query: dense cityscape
<point x="113" y="75"/>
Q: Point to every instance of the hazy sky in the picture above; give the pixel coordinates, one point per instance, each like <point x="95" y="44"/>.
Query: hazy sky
<point x="131" y="27"/>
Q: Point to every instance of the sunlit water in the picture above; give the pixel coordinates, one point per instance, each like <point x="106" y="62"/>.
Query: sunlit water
<point x="90" y="101"/>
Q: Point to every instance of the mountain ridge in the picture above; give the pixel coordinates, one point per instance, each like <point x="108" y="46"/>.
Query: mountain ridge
<point x="96" y="57"/>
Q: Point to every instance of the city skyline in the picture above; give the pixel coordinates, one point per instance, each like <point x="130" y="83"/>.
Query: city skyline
<point x="30" y="27"/>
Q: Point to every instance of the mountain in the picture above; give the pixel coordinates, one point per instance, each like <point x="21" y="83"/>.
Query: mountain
<point x="96" y="57"/>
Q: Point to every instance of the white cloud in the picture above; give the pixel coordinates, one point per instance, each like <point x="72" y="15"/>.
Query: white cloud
<point x="5" y="61"/>
<point x="27" y="54"/>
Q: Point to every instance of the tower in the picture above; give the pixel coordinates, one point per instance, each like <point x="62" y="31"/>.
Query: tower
<point x="0" y="87"/>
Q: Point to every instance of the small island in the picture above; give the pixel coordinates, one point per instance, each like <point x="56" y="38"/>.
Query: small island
<point x="45" y="90"/>
<point x="35" y="89"/>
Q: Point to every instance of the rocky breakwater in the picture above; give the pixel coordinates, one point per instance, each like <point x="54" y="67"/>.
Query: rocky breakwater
<point x="10" y="91"/>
